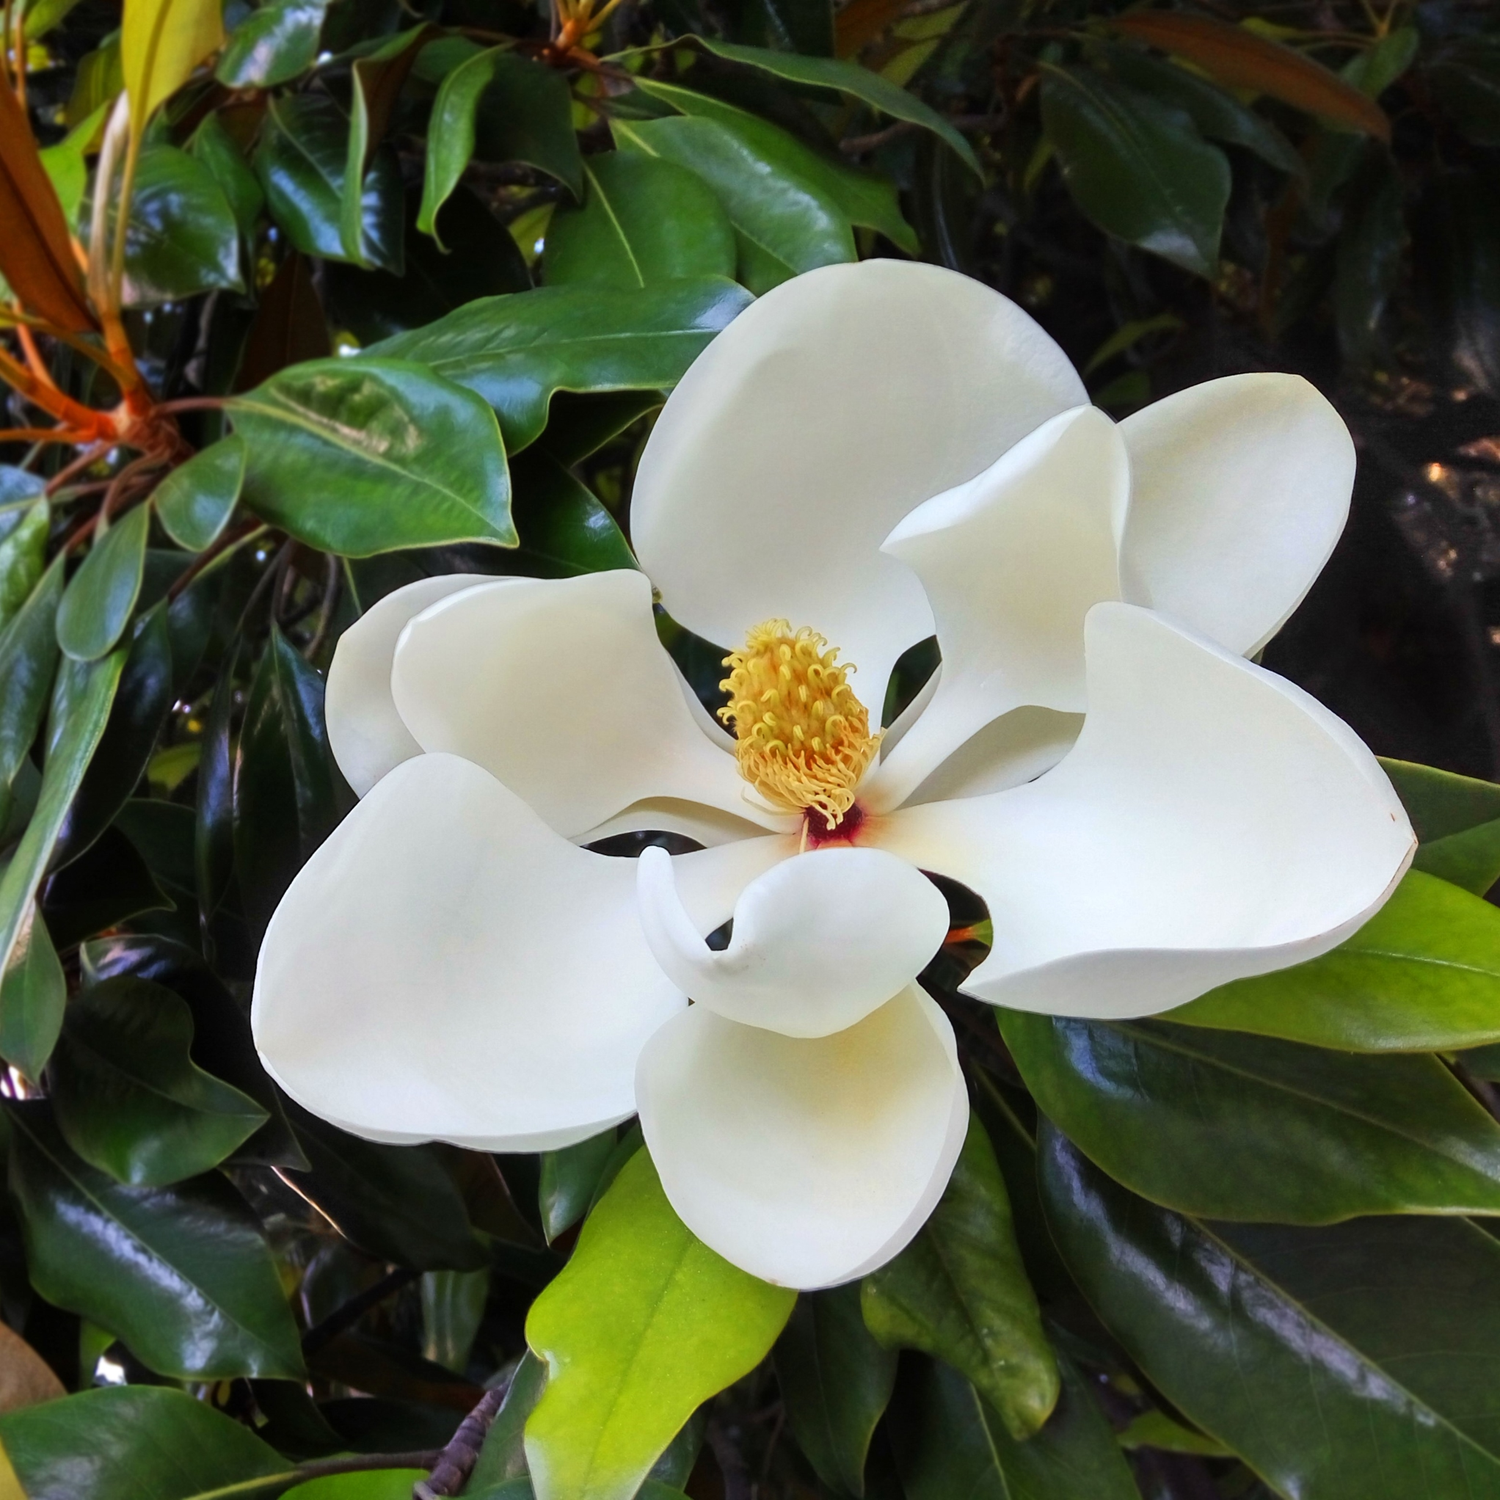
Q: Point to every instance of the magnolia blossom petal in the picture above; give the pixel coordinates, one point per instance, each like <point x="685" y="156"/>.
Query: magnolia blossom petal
<point x="1012" y="562"/>
<point x="819" y="941"/>
<point x="823" y="414"/>
<point x="1009" y="751"/>
<point x="1239" y="490"/>
<point x="446" y="966"/>
<point x="1213" y="821"/>
<point x="365" y="731"/>
<point x="807" y="1162"/>
<point x="560" y="688"/>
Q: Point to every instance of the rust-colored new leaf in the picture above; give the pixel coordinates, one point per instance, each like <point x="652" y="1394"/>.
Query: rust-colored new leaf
<point x="861" y="21"/>
<point x="36" y="256"/>
<point x="1241" y="60"/>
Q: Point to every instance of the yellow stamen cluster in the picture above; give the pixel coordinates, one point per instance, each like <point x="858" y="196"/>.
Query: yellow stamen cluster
<point x="804" y="739"/>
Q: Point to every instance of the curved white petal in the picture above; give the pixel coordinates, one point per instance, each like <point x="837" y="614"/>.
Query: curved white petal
<point x="707" y="825"/>
<point x="820" y="940"/>
<point x="561" y="689"/>
<point x="1013" y="749"/>
<point x="807" y="1162"/>
<point x="1212" y="822"/>
<point x="365" y="731"/>
<point x="446" y="966"/>
<point x="825" y="412"/>
<point x="1239" y="490"/>
<point x="1012" y="562"/>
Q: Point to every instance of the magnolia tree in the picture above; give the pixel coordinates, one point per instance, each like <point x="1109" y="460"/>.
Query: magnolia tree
<point x="664" y="828"/>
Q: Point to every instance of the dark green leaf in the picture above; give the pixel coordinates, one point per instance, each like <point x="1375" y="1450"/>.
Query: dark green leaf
<point x="181" y="1274"/>
<point x="211" y="145"/>
<point x="1458" y="237"/>
<point x="106" y="885"/>
<point x="783" y="224"/>
<point x="300" y="162"/>
<point x="1245" y="1127"/>
<point x="502" y="1459"/>
<point x="226" y="938"/>
<point x="136" y="1442"/>
<point x="836" y="1381"/>
<point x="129" y="1099"/>
<point x="1136" y="166"/>
<point x="804" y="26"/>
<point x="578" y="426"/>
<point x="396" y="1202"/>
<point x="959" y="1291"/>
<point x="948" y="1442"/>
<point x="182" y="237"/>
<point x="28" y="655"/>
<point x="862" y="199"/>
<point x="452" y="1307"/>
<point x="1422" y="975"/>
<point x="273" y="44"/>
<point x="568" y="1179"/>
<point x="518" y="351"/>
<point x="102" y="593"/>
<point x="32" y="998"/>
<point x="195" y="500"/>
<point x="643" y="1325"/>
<point x="23" y="546"/>
<point x="1368" y="258"/>
<point x="642" y="221"/>
<point x="370" y="455"/>
<point x="1337" y="1361"/>
<point x="1464" y="79"/>
<point x="564" y="528"/>
<point x="508" y="108"/>
<point x="1457" y="821"/>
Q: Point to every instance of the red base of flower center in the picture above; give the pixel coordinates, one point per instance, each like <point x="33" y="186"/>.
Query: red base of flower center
<point x="819" y="832"/>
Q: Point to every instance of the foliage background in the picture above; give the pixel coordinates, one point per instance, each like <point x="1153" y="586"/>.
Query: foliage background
<point x="1264" y="1263"/>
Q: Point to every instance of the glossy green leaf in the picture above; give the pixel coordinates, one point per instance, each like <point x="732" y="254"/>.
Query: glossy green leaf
<point x="377" y="1484"/>
<point x="211" y="145"/>
<point x="106" y="885"/>
<point x="224" y="934"/>
<point x="181" y="1274"/>
<point x="136" y="1442"/>
<point x="196" y="499"/>
<point x="1422" y="975"/>
<point x="1457" y="823"/>
<point x="275" y="43"/>
<point x="564" y="528"/>
<point x="783" y="224"/>
<point x="643" y="1326"/>
<point x="128" y="1097"/>
<point x="847" y="78"/>
<point x="1368" y="258"/>
<point x="23" y="546"/>
<point x="1244" y="1127"/>
<point x="102" y="593"/>
<point x="948" y="1442"/>
<point x="507" y="108"/>
<point x="80" y="711"/>
<point x="32" y="997"/>
<point x="518" y="351"/>
<point x="862" y="198"/>
<point x="369" y="455"/>
<point x="452" y="1306"/>
<point x="836" y="1381"/>
<point x="1136" y="166"/>
<point x="959" y="1291"/>
<point x="642" y="221"/>
<point x="28" y="655"/>
<point x="568" y="1179"/>
<point x="182" y="237"/>
<point x="578" y="426"/>
<point x="502" y="1458"/>
<point x="301" y="162"/>
<point x="395" y="1202"/>
<point x="1357" y="1359"/>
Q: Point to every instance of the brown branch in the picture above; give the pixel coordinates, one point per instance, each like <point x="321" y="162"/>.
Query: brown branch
<point x="450" y="1473"/>
<point x="350" y="1312"/>
<point x="226" y="541"/>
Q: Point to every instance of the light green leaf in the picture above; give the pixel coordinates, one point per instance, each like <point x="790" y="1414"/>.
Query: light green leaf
<point x="643" y="1325"/>
<point x="370" y="455"/>
<point x="783" y="223"/>
<point x="102" y="593"/>
<point x="960" y="1291"/>
<point x="517" y="351"/>
<point x="1422" y="975"/>
<point x="1457" y="822"/>
<point x="376" y="1484"/>
<point x="161" y="42"/>
<point x="194" y="501"/>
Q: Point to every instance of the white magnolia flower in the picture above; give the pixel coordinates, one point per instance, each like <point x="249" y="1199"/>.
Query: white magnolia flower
<point x="877" y="453"/>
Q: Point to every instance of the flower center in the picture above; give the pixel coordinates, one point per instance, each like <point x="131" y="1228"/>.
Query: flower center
<point x="803" y="738"/>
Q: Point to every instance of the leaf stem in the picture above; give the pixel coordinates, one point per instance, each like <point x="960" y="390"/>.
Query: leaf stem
<point x="347" y="1315"/>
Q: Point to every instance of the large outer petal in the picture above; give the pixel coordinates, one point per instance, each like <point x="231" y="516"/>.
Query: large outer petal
<point x="820" y="940"/>
<point x="805" y="1162"/>
<point x="1012" y="562"/>
<point x="364" y="729"/>
<point x="561" y="689"/>
<point x="1212" y="821"/>
<point x="822" y="415"/>
<point x="446" y="966"/>
<point x="1239" y="490"/>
